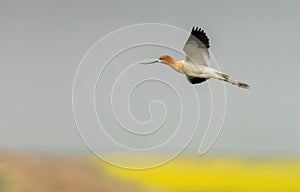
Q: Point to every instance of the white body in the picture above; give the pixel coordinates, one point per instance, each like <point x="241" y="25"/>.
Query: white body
<point x="189" y="68"/>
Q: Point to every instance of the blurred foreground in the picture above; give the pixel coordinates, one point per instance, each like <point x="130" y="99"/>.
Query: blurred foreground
<point x="53" y="173"/>
<point x="41" y="173"/>
<point x="214" y="173"/>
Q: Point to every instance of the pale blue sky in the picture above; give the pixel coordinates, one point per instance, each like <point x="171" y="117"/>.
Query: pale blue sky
<point x="42" y="43"/>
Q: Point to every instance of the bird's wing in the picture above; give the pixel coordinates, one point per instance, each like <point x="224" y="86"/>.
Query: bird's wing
<point x="196" y="47"/>
<point x="195" y="80"/>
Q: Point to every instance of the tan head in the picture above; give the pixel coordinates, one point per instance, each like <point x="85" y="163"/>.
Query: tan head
<point x="166" y="59"/>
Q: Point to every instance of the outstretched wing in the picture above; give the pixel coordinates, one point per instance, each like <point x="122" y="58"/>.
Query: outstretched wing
<point x="195" y="80"/>
<point x="196" y="47"/>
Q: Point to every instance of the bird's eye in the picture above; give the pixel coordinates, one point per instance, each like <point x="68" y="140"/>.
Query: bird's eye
<point x="160" y="58"/>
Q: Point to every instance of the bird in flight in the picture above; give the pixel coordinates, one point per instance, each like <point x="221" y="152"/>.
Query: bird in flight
<point x="196" y="63"/>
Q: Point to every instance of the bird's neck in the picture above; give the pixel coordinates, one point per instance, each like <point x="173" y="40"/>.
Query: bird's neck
<point x="177" y="65"/>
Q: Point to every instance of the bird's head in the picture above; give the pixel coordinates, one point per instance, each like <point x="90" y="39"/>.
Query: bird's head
<point x="165" y="59"/>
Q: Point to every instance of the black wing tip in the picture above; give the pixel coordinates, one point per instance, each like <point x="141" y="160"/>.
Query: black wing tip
<point x="199" y="29"/>
<point x="200" y="34"/>
<point x="196" y="80"/>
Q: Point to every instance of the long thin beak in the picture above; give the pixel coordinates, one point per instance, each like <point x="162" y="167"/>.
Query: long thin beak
<point x="150" y="62"/>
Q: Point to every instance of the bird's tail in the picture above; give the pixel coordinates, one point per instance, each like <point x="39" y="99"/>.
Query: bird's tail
<point x="238" y="83"/>
<point x="226" y="78"/>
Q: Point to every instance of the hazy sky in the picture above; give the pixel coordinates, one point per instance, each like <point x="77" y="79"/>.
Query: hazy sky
<point x="43" y="42"/>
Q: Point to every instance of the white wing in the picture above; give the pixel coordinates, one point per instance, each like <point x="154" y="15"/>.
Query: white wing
<point x="196" y="48"/>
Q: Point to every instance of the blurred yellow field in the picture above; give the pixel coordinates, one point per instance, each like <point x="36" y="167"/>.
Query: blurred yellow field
<point x="213" y="174"/>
